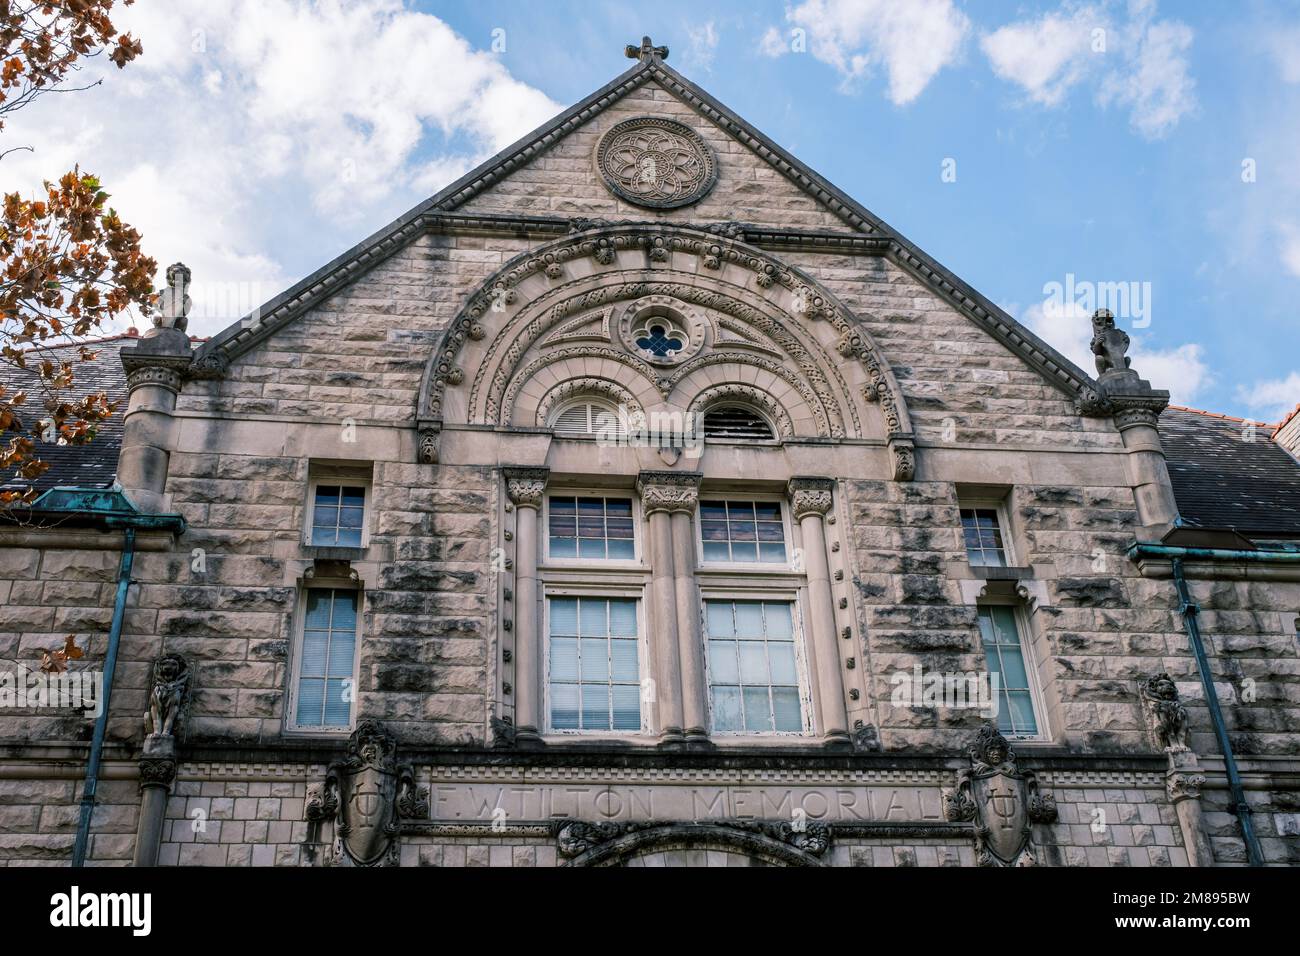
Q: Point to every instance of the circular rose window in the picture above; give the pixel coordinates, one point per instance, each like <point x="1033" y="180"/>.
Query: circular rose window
<point x="656" y="162"/>
<point x="662" y="331"/>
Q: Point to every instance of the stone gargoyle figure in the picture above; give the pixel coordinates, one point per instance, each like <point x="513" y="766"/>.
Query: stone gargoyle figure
<point x="174" y="303"/>
<point x="1165" y="713"/>
<point x="168" y="689"/>
<point x="1109" y="343"/>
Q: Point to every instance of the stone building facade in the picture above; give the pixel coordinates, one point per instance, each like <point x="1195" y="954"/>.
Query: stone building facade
<point x="643" y="499"/>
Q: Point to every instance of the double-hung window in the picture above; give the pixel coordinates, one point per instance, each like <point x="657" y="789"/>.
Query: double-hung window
<point x="753" y="667"/>
<point x="742" y="532"/>
<point x="594" y="665"/>
<point x="982" y="532"/>
<point x="337" y="505"/>
<point x="324" y="686"/>
<point x="1011" y="664"/>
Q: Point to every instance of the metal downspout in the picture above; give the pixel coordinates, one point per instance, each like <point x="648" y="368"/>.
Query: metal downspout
<point x="101" y="723"/>
<point x="1190" y="609"/>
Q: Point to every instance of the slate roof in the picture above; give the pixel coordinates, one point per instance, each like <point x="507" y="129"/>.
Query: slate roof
<point x="93" y="465"/>
<point x="1222" y="480"/>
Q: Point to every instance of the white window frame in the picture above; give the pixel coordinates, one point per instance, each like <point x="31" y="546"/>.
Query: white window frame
<point x="637" y="561"/>
<point x="347" y="476"/>
<point x="290" y="722"/>
<point x="806" y="698"/>
<point x="999" y="507"/>
<point x="786" y="566"/>
<point x="636" y="594"/>
<point x="1031" y="670"/>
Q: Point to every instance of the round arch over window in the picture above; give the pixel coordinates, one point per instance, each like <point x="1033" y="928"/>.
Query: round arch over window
<point x="588" y="417"/>
<point x="736" y="420"/>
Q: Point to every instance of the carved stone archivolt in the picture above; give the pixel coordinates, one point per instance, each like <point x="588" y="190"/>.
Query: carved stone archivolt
<point x="523" y="309"/>
<point x="655" y="162"/>
<point x="612" y="843"/>
<point x="1001" y="800"/>
<point x="366" y="794"/>
<point x="588" y="387"/>
<point x="735" y="393"/>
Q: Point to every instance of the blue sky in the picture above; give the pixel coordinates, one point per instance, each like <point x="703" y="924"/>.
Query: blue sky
<point x="257" y="139"/>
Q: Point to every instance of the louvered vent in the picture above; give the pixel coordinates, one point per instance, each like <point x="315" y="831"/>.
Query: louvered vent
<point x="587" y="419"/>
<point x="736" y="421"/>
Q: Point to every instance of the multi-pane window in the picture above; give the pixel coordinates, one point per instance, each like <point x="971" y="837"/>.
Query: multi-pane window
<point x="327" y="659"/>
<point x="588" y="527"/>
<point x="742" y="531"/>
<point x="338" y="515"/>
<point x="1006" y="660"/>
<point x="594" y="669"/>
<point x="753" y="676"/>
<point x="983" y="534"/>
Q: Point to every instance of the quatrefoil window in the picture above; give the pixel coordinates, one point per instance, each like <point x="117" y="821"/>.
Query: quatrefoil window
<point x="659" y="337"/>
<point x="660" y="342"/>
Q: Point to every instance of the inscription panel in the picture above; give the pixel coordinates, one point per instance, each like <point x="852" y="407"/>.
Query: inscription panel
<point x="457" y="801"/>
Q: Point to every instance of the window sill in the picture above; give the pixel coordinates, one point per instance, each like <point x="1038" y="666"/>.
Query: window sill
<point x="333" y="552"/>
<point x="1001" y="572"/>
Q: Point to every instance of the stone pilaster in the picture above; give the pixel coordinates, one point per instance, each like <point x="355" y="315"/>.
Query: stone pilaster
<point x="526" y="488"/>
<point x="810" y="500"/>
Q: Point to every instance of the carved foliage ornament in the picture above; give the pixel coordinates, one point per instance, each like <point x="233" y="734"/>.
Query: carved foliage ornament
<point x="1001" y="800"/>
<point x="669" y="491"/>
<point x="809" y="496"/>
<point x="526" y="486"/>
<point x="578" y="837"/>
<point x="368" y="792"/>
<point x="657" y="163"/>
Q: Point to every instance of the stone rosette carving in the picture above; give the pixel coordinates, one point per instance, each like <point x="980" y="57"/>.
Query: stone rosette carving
<point x="169" y="688"/>
<point x="1165" y="713"/>
<point x="526" y="486"/>
<point x="810" y="496"/>
<point x="1001" y="800"/>
<point x="367" y="793"/>
<point x="655" y="162"/>
<point x="669" y="491"/>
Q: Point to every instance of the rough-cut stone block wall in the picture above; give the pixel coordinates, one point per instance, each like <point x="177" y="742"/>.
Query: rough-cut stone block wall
<point x="562" y="181"/>
<point x="38" y="820"/>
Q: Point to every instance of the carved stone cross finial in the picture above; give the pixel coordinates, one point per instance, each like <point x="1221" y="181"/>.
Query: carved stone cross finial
<point x="646" y="51"/>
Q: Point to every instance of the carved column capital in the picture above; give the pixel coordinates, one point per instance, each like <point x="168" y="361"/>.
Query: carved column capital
<point x="809" y="496"/>
<point x="157" y="772"/>
<point x="167" y="374"/>
<point x="526" y="486"/>
<point x="162" y="357"/>
<point x="669" y="491"/>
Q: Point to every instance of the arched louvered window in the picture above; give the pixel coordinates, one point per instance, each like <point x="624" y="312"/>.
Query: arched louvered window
<point x="588" y="418"/>
<point x="736" y="421"/>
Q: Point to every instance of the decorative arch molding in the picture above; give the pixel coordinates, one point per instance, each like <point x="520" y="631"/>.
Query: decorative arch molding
<point x="613" y="844"/>
<point x="580" y="387"/>
<point x="739" y="393"/>
<point x="613" y="263"/>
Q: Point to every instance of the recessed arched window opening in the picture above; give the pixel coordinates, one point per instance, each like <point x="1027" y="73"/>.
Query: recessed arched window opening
<point x="589" y="418"/>
<point x="734" y="421"/>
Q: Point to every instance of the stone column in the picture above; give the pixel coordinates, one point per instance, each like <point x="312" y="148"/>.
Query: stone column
<point x="666" y="495"/>
<point x="1183" y="783"/>
<point x="526" y="487"/>
<point x="157" y="771"/>
<point x="810" y="500"/>
<point x="1148" y="471"/>
<point x="154" y="373"/>
<point x="690" y="642"/>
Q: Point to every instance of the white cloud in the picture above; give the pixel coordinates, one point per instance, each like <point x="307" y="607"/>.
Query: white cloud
<point x="1068" y="328"/>
<point x="1135" y="62"/>
<point x="701" y="46"/>
<point x="253" y="119"/>
<point x="1272" y="399"/>
<point x="1290" y="249"/>
<point x="913" y="41"/>
<point x="1045" y="56"/>
<point x="1284" y="45"/>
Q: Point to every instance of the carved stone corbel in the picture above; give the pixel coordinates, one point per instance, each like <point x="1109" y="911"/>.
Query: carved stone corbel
<point x="1001" y="800"/>
<point x="430" y="434"/>
<point x="902" y="452"/>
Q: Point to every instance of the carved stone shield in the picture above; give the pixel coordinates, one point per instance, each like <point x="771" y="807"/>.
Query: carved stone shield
<point x="1005" y="819"/>
<point x="368" y="793"/>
